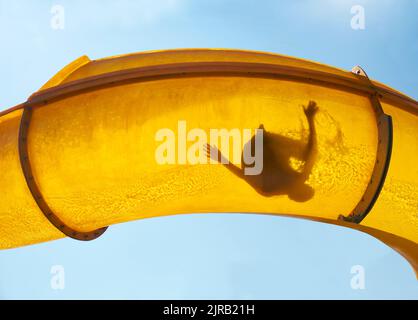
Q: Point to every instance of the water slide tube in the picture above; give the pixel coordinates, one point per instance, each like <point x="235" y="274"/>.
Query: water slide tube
<point x="136" y="136"/>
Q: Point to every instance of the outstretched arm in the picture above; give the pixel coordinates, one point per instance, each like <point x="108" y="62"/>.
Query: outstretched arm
<point x="215" y="154"/>
<point x="311" y="148"/>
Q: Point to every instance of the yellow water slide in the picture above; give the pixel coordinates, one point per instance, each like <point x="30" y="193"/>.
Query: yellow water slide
<point x="138" y="136"/>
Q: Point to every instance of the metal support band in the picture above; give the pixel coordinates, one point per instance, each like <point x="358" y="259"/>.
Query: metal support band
<point x="381" y="166"/>
<point x="35" y="191"/>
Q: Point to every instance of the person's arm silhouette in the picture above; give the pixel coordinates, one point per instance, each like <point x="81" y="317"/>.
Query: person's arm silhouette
<point x="216" y="155"/>
<point x="310" y="152"/>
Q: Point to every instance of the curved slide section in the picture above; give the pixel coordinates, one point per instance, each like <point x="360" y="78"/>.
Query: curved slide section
<point x="206" y="131"/>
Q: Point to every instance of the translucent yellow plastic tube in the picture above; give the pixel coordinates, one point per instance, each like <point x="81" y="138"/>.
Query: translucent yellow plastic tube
<point x="91" y="144"/>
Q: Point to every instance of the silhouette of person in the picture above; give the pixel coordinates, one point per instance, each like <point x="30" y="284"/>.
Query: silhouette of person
<point x="277" y="176"/>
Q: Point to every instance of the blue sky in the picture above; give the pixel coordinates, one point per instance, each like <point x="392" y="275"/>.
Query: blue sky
<point x="208" y="256"/>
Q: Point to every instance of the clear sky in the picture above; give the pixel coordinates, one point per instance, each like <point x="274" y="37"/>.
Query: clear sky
<point x="208" y="256"/>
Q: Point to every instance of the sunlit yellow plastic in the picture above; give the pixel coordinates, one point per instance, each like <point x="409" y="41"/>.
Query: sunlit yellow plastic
<point x="93" y="153"/>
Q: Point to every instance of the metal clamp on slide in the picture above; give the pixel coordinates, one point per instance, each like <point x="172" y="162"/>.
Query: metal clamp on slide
<point x="34" y="189"/>
<point x="384" y="151"/>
